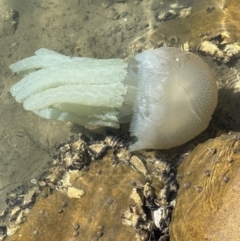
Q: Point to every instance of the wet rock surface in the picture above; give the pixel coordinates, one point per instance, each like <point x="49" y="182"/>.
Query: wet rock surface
<point x="207" y="204"/>
<point x="96" y="190"/>
<point x="215" y="31"/>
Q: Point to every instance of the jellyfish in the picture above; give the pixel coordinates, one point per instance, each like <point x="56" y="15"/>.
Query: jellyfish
<point x="168" y="95"/>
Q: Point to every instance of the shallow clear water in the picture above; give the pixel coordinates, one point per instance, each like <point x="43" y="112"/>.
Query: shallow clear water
<point x="100" y="29"/>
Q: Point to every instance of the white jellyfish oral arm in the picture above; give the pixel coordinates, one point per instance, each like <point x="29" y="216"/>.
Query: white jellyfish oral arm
<point x="108" y="92"/>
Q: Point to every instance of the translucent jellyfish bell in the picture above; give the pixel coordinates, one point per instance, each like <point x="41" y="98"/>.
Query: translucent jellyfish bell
<point x="168" y="94"/>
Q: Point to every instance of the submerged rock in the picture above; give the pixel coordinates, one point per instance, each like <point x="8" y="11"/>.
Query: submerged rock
<point x="106" y="195"/>
<point x="207" y="204"/>
<point x="97" y="189"/>
<point x="210" y="28"/>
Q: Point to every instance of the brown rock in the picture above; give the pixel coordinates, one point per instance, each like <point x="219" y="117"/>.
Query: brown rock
<point x="208" y="199"/>
<point x="106" y="196"/>
<point x="213" y="29"/>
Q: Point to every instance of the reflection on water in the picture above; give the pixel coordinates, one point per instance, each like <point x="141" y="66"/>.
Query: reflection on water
<point x="102" y="29"/>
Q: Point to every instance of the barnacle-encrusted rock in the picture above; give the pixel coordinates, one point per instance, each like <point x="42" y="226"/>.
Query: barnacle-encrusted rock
<point x="106" y="195"/>
<point x="99" y="191"/>
<point x="207" y="206"/>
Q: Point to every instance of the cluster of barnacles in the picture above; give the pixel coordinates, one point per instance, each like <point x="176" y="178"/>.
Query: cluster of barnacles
<point x="78" y="155"/>
<point x="82" y="150"/>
